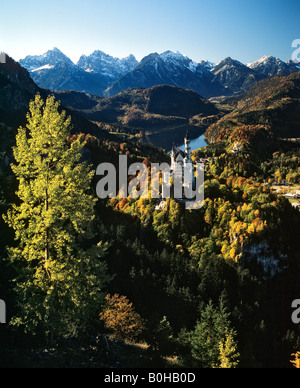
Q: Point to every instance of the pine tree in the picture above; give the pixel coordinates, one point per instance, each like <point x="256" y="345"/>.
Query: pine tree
<point x="60" y="272"/>
<point x="212" y="328"/>
<point x="163" y="336"/>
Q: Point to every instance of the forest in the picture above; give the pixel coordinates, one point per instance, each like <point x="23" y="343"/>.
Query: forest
<point x="205" y="288"/>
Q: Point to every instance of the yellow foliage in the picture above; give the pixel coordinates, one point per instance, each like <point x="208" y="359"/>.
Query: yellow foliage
<point x="229" y="356"/>
<point x="296" y="360"/>
<point x="180" y="248"/>
<point x="224" y="249"/>
<point x="232" y="253"/>
<point x="251" y="229"/>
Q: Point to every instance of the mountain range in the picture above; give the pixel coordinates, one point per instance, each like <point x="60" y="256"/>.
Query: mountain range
<point x="103" y="75"/>
<point x="163" y="110"/>
<point x="17" y="89"/>
<point x="93" y="74"/>
<point x="162" y="114"/>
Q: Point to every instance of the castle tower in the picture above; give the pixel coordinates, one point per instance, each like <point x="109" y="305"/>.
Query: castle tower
<point x="187" y="148"/>
<point x="173" y="158"/>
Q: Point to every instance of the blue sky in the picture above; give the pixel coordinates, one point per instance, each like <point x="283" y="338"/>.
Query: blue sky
<point x="201" y="29"/>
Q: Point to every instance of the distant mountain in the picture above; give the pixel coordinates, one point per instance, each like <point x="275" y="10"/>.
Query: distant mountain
<point x="228" y="78"/>
<point x="234" y="76"/>
<point x="92" y="74"/>
<point x="17" y="89"/>
<point x="103" y="75"/>
<point x="100" y="63"/>
<point x="172" y="69"/>
<point x="63" y="76"/>
<point x="271" y="106"/>
<point x="269" y="66"/>
<point x="162" y="113"/>
<point x="162" y="100"/>
<point x="46" y="61"/>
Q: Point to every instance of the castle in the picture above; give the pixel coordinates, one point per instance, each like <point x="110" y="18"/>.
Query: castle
<point x="180" y="160"/>
<point x="182" y="173"/>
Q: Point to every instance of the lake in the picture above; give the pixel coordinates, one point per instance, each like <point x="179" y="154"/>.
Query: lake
<point x="166" y="139"/>
<point x="196" y="143"/>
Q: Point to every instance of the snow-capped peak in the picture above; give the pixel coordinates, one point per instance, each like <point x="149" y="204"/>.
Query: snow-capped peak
<point x="270" y="66"/>
<point x="205" y="65"/>
<point x="51" y="58"/>
<point x="176" y="59"/>
<point x="45" y="67"/>
<point x="263" y="61"/>
<point x="102" y="63"/>
<point x="170" y="54"/>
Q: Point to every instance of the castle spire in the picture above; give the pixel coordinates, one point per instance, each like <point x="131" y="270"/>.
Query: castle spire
<point x="187" y="148"/>
<point x="173" y="156"/>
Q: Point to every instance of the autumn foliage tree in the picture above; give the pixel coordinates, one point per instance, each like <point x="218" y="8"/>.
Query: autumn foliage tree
<point x="120" y="318"/>
<point x="229" y="357"/>
<point x="296" y="360"/>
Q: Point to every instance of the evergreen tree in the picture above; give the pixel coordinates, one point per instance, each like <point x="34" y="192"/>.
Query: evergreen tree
<point x="163" y="337"/>
<point x="212" y="328"/>
<point x="60" y="273"/>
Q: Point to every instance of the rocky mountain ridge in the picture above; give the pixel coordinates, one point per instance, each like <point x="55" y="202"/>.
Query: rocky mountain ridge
<point x="104" y="75"/>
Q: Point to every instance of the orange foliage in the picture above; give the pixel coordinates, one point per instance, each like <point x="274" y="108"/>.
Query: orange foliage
<point x="296" y="360"/>
<point x="120" y="318"/>
<point x="123" y="203"/>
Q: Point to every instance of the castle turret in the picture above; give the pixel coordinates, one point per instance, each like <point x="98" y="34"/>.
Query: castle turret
<point x="187" y="148"/>
<point x="173" y="157"/>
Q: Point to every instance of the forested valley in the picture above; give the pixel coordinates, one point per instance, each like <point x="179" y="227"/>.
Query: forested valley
<point x="166" y="286"/>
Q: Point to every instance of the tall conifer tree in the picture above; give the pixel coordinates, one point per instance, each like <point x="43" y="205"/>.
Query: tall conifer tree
<point x="60" y="273"/>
